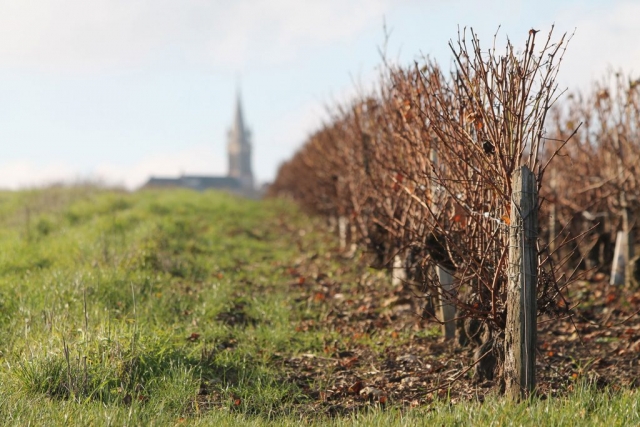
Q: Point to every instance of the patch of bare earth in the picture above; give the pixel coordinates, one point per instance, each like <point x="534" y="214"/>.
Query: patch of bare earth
<point x="387" y="352"/>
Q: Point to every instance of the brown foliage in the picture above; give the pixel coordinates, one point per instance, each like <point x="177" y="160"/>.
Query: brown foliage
<point x="423" y="167"/>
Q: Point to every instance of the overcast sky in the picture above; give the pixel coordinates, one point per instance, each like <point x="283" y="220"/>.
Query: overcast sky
<point x="122" y="89"/>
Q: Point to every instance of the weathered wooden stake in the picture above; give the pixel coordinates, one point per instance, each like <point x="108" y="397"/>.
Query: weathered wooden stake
<point x="553" y="211"/>
<point x="620" y="255"/>
<point x="353" y="230"/>
<point x="621" y="270"/>
<point x="627" y="228"/>
<point x="398" y="273"/>
<point x="342" y="231"/>
<point x="447" y="311"/>
<point x="626" y="245"/>
<point x="520" y="334"/>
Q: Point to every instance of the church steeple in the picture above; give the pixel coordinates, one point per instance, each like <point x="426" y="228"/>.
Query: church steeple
<point x="239" y="148"/>
<point x="238" y="122"/>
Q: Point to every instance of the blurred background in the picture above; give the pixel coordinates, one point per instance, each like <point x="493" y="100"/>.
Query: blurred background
<point x="117" y="91"/>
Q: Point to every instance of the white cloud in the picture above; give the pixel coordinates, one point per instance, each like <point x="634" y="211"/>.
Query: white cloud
<point x="73" y="35"/>
<point x="276" y="30"/>
<point x="23" y="173"/>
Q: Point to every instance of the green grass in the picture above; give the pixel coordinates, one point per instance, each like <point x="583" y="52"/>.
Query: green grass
<point x="139" y="309"/>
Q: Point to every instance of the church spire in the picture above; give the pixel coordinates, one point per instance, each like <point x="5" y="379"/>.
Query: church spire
<point x="239" y="148"/>
<point x="238" y="122"/>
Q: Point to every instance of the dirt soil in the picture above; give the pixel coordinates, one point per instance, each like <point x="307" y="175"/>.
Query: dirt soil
<point x="389" y="352"/>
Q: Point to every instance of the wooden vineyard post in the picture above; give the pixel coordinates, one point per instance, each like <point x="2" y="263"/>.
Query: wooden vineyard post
<point x="520" y="334"/>
<point x="622" y="269"/>
<point x="398" y="274"/>
<point x="553" y="211"/>
<point x="342" y="231"/>
<point x="353" y="230"/>
<point x="620" y="255"/>
<point x="446" y="310"/>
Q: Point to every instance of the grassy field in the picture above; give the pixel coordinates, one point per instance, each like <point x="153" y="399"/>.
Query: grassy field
<point x="179" y="308"/>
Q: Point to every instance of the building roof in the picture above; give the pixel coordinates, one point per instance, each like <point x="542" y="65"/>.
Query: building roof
<point x="196" y="182"/>
<point x="162" y="182"/>
<point x="204" y="182"/>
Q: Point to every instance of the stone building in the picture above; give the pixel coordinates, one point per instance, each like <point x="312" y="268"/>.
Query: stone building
<point x="239" y="178"/>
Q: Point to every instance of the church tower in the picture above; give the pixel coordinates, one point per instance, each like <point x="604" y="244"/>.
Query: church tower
<point x="239" y="149"/>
